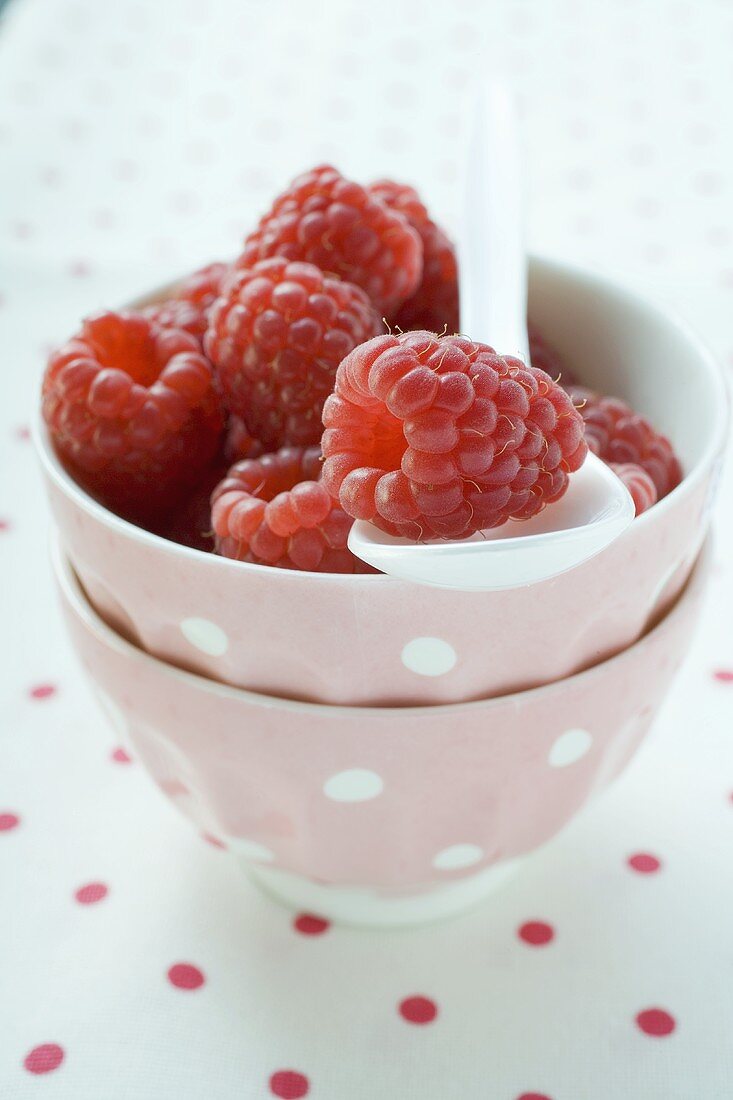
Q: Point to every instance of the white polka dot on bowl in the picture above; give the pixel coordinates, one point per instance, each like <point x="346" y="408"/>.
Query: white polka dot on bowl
<point x="569" y="747"/>
<point x="205" y="636"/>
<point x="429" y="656"/>
<point x="353" y="785"/>
<point x="458" y="856"/>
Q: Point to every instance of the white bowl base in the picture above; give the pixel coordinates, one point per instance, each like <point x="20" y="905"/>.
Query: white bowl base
<point x="366" y="909"/>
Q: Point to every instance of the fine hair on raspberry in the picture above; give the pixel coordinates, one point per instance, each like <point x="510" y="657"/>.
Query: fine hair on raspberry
<point x="439" y="437"/>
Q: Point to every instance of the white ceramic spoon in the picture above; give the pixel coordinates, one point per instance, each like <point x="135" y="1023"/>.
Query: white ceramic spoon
<point x="597" y="507"/>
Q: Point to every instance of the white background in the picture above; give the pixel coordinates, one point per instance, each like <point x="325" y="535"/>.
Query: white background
<point x="138" y="140"/>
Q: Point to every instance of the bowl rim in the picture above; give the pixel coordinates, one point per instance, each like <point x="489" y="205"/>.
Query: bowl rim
<point x="605" y="284"/>
<point x="73" y="595"/>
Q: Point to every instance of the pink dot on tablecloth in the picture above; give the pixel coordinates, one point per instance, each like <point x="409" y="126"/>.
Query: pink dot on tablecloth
<point x="42" y="691"/>
<point x="125" y="170"/>
<point x="580" y="179"/>
<point x="4" y="524"/>
<point x="707" y="183"/>
<point x="44" y="1058"/>
<point x="22" y="433"/>
<point x="310" y="925"/>
<point x="200" y="151"/>
<point x="647" y="206"/>
<point x="217" y="105"/>
<point x="418" y="1010"/>
<point x="183" y="202"/>
<point x="91" y="893"/>
<point x="700" y="133"/>
<point x="74" y="129"/>
<point x="723" y="675"/>
<point x="103" y="219"/>
<point x="644" y="863"/>
<point x="120" y="756"/>
<point x="79" y="269"/>
<point x="533" y="1096"/>
<point x="656" y="1022"/>
<point x="641" y="154"/>
<point x="718" y="236"/>
<point x="8" y="822"/>
<point x="536" y="933"/>
<point x="185" y="976"/>
<point x="149" y="124"/>
<point x="214" y="841"/>
<point x="289" y="1084"/>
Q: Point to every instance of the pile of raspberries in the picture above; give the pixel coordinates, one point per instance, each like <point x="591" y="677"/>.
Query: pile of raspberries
<point x="265" y="404"/>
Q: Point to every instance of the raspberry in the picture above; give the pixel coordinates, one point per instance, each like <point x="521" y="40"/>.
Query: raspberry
<point x="274" y="511"/>
<point x="131" y="408"/>
<point x="618" y="435"/>
<point x="430" y="436"/>
<point x="188" y="306"/>
<point x="276" y="336"/>
<point x="544" y="356"/>
<point x="637" y="481"/>
<point x="434" y="305"/>
<point x="338" y="226"/>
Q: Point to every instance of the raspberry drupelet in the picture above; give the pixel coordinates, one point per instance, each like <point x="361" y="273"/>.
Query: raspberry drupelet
<point x="340" y="227"/>
<point x="434" y="304"/>
<point x="132" y="409"/>
<point x="637" y="481"/>
<point x="274" y="511"/>
<point x="276" y="335"/>
<point x="188" y="306"/>
<point x="619" y="435"/>
<point x="439" y="437"/>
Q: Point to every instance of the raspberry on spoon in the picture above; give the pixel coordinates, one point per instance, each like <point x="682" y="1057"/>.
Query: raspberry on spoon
<point x="274" y="511"/>
<point x="131" y="408"/>
<point x="440" y="437"/>
<point x="340" y="227"/>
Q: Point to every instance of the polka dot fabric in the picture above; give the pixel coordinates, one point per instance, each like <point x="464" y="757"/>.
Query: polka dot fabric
<point x="137" y="145"/>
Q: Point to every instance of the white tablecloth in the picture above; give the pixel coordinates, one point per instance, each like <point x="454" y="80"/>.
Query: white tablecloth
<point x="136" y="141"/>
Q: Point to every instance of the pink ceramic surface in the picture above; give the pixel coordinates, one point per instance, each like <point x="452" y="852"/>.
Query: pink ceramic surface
<point x="377" y="640"/>
<point x="358" y="811"/>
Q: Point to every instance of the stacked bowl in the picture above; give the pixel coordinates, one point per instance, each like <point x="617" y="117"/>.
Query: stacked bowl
<point x="381" y="752"/>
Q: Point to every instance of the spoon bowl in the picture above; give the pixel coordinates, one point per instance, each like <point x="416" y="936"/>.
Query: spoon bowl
<point x="521" y="552"/>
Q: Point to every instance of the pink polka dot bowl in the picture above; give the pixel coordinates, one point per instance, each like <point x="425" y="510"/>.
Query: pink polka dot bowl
<point x="376" y="640"/>
<point x="379" y="815"/>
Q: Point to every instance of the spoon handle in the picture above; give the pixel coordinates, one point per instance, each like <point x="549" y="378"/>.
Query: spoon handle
<point x="492" y="258"/>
